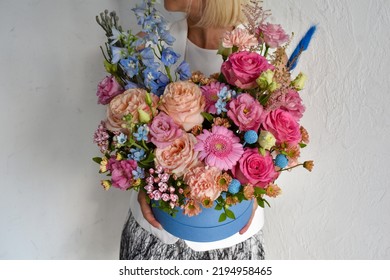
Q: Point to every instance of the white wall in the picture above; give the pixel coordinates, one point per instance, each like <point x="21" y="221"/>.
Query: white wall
<point x="52" y="206"/>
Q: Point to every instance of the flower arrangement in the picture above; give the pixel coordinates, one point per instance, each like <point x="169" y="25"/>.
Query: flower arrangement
<point x="189" y="140"/>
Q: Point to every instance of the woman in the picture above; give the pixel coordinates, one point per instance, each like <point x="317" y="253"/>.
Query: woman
<point x="197" y="37"/>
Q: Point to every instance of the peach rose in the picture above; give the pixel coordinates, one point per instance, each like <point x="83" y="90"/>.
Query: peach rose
<point x="203" y="183"/>
<point x="183" y="102"/>
<point x="179" y="156"/>
<point x="127" y="103"/>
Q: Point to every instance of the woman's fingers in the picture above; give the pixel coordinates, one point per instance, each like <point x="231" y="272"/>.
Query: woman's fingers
<point x="147" y="210"/>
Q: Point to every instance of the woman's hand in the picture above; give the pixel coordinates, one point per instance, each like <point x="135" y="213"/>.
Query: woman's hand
<point x="245" y="228"/>
<point x="147" y="211"/>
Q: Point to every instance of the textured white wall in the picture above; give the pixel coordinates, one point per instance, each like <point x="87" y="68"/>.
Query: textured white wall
<point x="52" y="206"/>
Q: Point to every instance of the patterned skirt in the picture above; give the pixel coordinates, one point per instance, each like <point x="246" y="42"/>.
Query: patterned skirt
<point x="138" y="244"/>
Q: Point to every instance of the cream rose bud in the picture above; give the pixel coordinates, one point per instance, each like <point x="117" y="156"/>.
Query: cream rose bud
<point x="265" y="79"/>
<point x="183" y="102"/>
<point x="299" y="81"/>
<point x="266" y="140"/>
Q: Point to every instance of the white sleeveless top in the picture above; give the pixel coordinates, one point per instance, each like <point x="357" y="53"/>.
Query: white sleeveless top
<point x="208" y="62"/>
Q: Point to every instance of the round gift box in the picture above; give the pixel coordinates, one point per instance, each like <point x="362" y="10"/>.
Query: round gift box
<point x="205" y="226"/>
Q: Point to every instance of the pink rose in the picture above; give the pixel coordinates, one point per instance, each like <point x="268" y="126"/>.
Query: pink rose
<point x="178" y="157"/>
<point x="273" y="35"/>
<point x="243" y="68"/>
<point x="255" y="169"/>
<point x="283" y="126"/>
<point x="163" y="131"/>
<point x="107" y="90"/>
<point x="293" y="104"/>
<point x="246" y="112"/>
<point x="127" y="103"/>
<point x="184" y="103"/>
<point x="202" y="182"/>
<point x="121" y="172"/>
<point x="210" y="92"/>
<point x="240" y="38"/>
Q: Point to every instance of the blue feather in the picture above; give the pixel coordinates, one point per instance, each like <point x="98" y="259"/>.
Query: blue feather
<point x="302" y="46"/>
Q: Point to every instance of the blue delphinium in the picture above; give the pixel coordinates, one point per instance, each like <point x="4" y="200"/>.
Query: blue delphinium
<point x="117" y="54"/>
<point x="184" y="71"/>
<point x="169" y="57"/>
<point x="130" y="65"/>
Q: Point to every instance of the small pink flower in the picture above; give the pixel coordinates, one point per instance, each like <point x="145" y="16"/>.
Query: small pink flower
<point x="219" y="147"/>
<point x="243" y="68"/>
<point x="273" y="35"/>
<point x="121" y="172"/>
<point x="107" y="89"/>
<point x="240" y="38"/>
<point x="246" y="112"/>
<point x="283" y="126"/>
<point x="165" y="197"/>
<point x="293" y="104"/>
<point x="163" y="131"/>
<point x="255" y="169"/>
<point x="210" y="92"/>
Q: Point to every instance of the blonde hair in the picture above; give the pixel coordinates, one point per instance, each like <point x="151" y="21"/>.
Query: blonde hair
<point x="221" y="13"/>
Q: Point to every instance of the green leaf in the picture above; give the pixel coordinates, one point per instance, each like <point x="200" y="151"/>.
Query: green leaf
<point x="98" y="160"/>
<point x="208" y="116"/>
<point x="222" y="217"/>
<point x="267" y="203"/>
<point x="260" y="202"/>
<point x="302" y="145"/>
<point x="230" y="214"/>
<point x="259" y="191"/>
<point x="262" y="151"/>
<point x="218" y="207"/>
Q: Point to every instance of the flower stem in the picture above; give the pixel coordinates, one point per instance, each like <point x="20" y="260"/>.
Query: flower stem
<point x="286" y="169"/>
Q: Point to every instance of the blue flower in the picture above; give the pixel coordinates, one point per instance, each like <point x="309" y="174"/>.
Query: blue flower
<point x="234" y="186"/>
<point x="226" y="94"/>
<point x="138" y="173"/>
<point x="281" y="161"/>
<point x="221" y="106"/>
<point x="147" y="56"/>
<point x="166" y="37"/>
<point x="161" y="83"/>
<point x="121" y="138"/>
<point x="184" y="71"/>
<point x="169" y="57"/>
<point x="116" y="36"/>
<point x="130" y="85"/>
<point x="142" y="133"/>
<point x="117" y="54"/>
<point x="251" y="137"/>
<point x="150" y="77"/>
<point x="130" y="65"/>
<point x="136" y="154"/>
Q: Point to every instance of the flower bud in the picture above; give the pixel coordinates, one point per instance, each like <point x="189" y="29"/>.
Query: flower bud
<point x="148" y="99"/>
<point x="299" y="81"/>
<point x="265" y="79"/>
<point x="266" y="140"/>
<point x="225" y="52"/>
<point x="143" y="116"/>
<point x="106" y="184"/>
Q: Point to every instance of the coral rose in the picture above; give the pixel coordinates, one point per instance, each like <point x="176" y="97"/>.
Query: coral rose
<point x="243" y="68"/>
<point x="129" y="102"/>
<point x="283" y="126"/>
<point x="246" y="112"/>
<point x="255" y="168"/>
<point x="178" y="157"/>
<point x="183" y="102"/>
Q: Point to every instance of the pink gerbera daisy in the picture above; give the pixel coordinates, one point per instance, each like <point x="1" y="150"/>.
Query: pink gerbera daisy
<point x="219" y="147"/>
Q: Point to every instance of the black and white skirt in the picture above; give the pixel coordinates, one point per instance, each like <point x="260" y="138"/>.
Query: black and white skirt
<point x="138" y="244"/>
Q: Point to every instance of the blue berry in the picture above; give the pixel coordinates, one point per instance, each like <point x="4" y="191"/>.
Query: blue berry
<point x="281" y="161"/>
<point x="251" y="137"/>
<point x="234" y="186"/>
